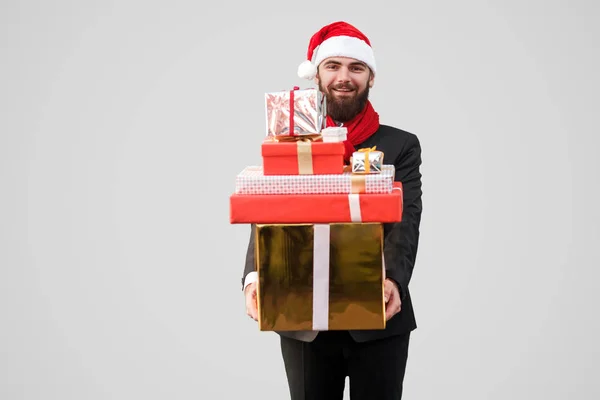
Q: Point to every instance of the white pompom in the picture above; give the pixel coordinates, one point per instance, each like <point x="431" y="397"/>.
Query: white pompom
<point x="307" y="70"/>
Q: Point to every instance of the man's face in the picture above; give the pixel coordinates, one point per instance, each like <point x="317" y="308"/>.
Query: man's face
<point x="346" y="83"/>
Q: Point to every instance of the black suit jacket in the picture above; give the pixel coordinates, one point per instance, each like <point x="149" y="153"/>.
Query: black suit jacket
<point x="401" y="239"/>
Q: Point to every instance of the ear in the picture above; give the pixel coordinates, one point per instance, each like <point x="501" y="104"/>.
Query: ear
<point x="371" y="80"/>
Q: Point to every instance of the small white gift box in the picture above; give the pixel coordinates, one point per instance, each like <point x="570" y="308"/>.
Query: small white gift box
<point x="334" y="134"/>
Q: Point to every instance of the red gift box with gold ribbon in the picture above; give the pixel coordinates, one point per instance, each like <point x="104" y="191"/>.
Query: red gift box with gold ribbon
<point x="302" y="157"/>
<point x="317" y="208"/>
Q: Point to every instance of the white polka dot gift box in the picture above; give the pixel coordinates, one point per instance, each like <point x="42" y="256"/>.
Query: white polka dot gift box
<point x="253" y="181"/>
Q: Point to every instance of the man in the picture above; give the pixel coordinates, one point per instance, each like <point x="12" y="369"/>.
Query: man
<point x="342" y="64"/>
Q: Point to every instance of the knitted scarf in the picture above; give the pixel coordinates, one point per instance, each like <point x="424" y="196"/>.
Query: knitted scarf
<point x="360" y="128"/>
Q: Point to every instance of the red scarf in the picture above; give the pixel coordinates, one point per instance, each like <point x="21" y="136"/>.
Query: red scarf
<point x="360" y="128"/>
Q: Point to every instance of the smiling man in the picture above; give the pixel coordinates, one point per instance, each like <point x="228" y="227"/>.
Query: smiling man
<point x="346" y="82"/>
<point x="341" y="62"/>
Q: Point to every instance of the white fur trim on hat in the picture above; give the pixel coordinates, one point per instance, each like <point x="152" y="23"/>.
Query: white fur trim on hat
<point x="338" y="46"/>
<point x="345" y="46"/>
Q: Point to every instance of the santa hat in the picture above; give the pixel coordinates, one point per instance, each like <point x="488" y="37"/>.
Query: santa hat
<point x="338" y="39"/>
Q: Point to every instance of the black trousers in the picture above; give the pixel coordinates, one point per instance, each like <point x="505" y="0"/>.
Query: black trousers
<point x="318" y="370"/>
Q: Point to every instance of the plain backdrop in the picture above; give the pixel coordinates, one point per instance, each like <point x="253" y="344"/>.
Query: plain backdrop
<point x="124" y="123"/>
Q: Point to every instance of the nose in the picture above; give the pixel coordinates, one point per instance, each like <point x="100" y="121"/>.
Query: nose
<point x="343" y="74"/>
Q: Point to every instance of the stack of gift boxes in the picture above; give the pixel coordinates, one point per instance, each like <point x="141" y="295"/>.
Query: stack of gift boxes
<point x="317" y="222"/>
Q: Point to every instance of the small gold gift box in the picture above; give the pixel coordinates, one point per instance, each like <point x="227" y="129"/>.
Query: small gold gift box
<point x="320" y="276"/>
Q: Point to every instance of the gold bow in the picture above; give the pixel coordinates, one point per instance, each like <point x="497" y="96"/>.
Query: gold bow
<point x="317" y="137"/>
<point x="367" y="150"/>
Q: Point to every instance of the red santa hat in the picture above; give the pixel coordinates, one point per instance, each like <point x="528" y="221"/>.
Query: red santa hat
<point x="338" y="39"/>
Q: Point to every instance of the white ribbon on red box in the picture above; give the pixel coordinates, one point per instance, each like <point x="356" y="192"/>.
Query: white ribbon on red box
<point x="354" y="203"/>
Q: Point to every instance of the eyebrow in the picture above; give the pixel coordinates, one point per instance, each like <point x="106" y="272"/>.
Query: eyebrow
<point x="353" y="64"/>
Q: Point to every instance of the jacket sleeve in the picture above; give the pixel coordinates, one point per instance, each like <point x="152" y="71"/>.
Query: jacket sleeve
<point x="250" y="255"/>
<point x="402" y="238"/>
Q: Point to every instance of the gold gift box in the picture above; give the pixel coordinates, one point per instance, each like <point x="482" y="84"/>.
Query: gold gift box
<point x="320" y="276"/>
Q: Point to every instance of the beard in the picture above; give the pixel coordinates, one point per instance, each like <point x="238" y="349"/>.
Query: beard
<point x="343" y="109"/>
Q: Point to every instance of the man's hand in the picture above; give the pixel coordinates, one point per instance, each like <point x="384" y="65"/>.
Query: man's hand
<point x="392" y="298"/>
<point x="251" y="306"/>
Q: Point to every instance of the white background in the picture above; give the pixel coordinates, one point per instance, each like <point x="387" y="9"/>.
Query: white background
<point x="124" y="123"/>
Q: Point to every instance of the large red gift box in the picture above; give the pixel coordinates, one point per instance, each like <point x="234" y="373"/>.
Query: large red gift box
<point x="302" y="158"/>
<point x="316" y="208"/>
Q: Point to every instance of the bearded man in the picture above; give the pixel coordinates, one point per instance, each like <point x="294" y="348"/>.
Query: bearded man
<point x="341" y="62"/>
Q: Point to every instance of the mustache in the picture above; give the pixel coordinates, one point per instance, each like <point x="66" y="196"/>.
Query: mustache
<point x="347" y="86"/>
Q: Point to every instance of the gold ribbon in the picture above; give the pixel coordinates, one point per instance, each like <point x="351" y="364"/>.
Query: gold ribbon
<point x="358" y="182"/>
<point x="367" y="150"/>
<point x="304" y="149"/>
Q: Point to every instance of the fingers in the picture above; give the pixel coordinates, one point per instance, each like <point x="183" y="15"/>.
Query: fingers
<point x="252" y="313"/>
<point x="251" y="306"/>
<point x="387" y="294"/>
<point x="392" y="307"/>
<point x="392" y="299"/>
